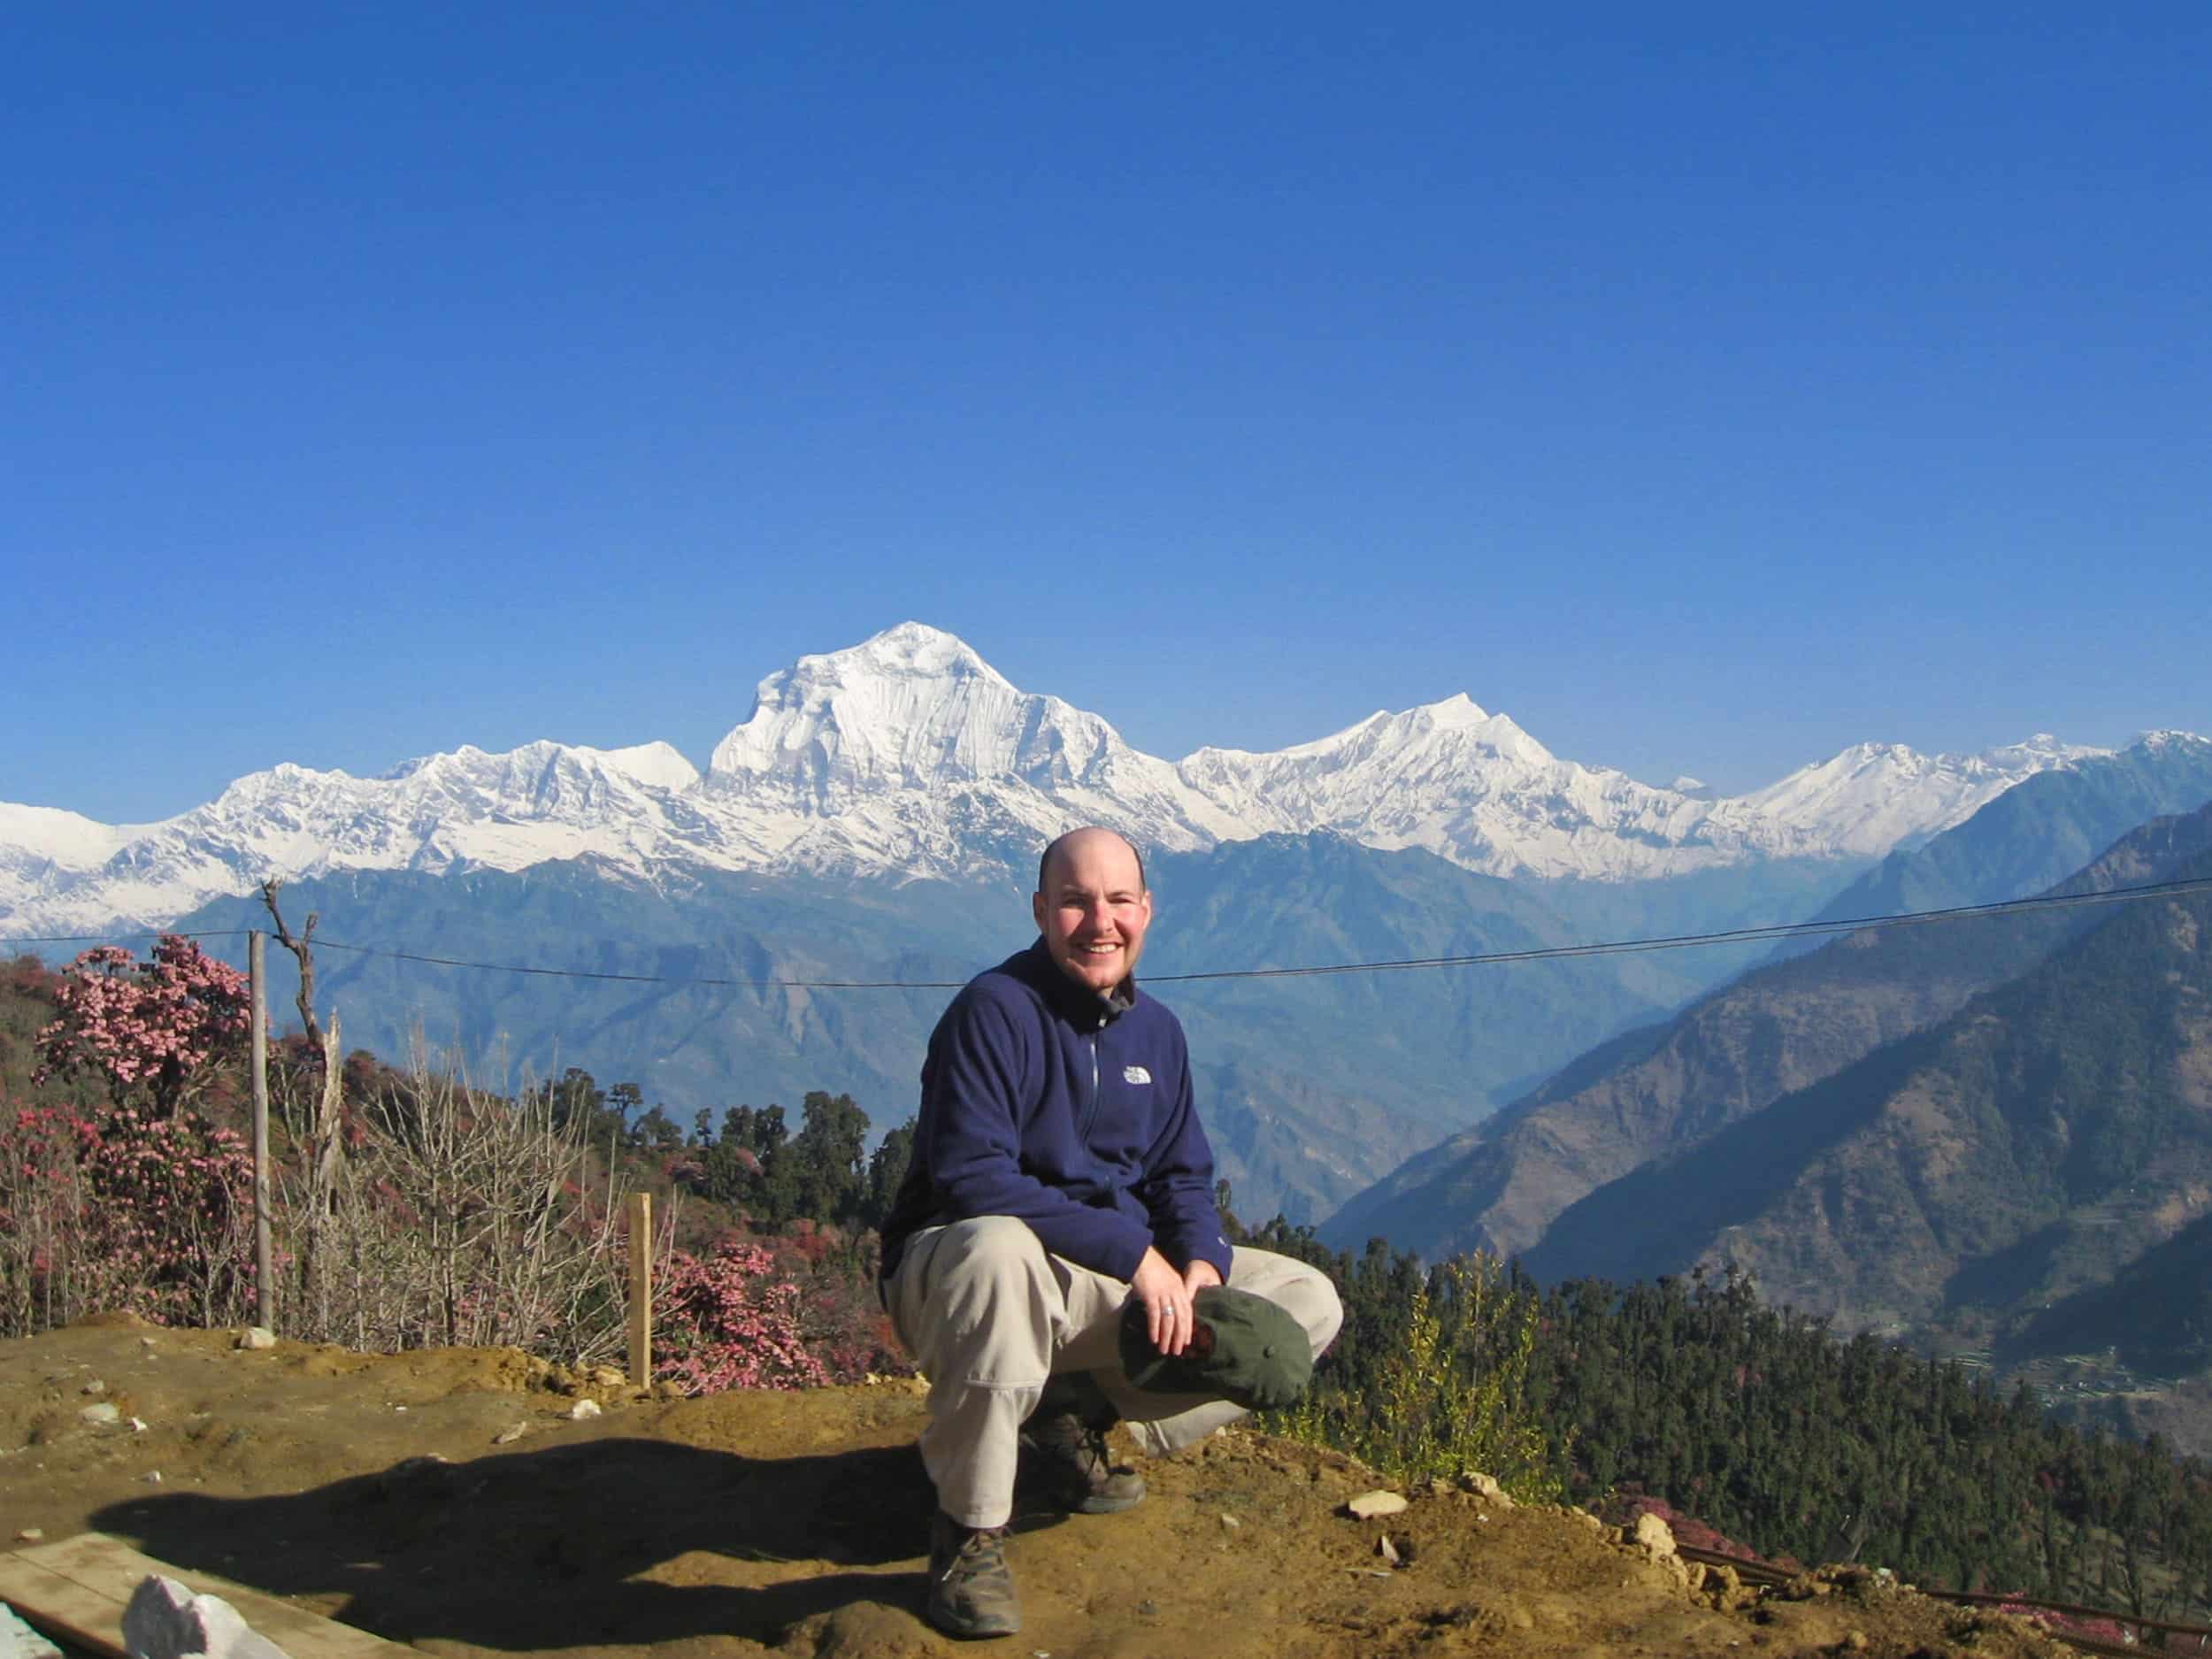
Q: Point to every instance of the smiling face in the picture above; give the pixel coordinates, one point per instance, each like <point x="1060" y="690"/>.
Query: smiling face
<point x="1093" y="908"/>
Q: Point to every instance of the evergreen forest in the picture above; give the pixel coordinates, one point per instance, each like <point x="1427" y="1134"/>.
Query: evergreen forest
<point x="1758" y="1422"/>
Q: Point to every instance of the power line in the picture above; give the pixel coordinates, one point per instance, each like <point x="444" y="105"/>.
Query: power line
<point x="1546" y="953"/>
<point x="109" y="939"/>
<point x="651" y="978"/>
<point x="1727" y="936"/>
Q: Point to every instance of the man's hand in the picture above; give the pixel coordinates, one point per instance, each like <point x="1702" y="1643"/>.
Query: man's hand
<point x="1166" y="1296"/>
<point x="1199" y="1275"/>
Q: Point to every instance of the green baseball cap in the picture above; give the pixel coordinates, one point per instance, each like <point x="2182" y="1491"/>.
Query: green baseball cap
<point x="1245" y="1349"/>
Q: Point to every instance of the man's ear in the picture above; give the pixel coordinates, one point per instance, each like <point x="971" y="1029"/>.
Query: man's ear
<point x="1037" y="910"/>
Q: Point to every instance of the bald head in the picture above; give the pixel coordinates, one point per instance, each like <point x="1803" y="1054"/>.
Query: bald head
<point x="1092" y="907"/>
<point x="1091" y="836"/>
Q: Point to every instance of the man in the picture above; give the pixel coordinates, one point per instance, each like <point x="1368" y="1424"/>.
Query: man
<point x="1060" y="1172"/>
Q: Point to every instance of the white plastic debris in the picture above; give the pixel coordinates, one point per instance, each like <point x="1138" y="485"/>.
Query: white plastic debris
<point x="19" y="1640"/>
<point x="165" y="1620"/>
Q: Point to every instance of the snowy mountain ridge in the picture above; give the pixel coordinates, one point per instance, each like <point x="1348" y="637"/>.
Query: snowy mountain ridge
<point x="909" y="755"/>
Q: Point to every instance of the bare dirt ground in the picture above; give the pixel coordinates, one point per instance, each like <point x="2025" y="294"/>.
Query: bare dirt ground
<point x="382" y="1491"/>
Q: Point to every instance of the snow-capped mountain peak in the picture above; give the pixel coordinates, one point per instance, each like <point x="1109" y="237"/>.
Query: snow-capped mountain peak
<point x="907" y="754"/>
<point x="907" y="703"/>
<point x="913" y="707"/>
<point x="1474" y="788"/>
<point x="541" y="772"/>
<point x="657" y="765"/>
<point x="1874" y="796"/>
<point x="465" y="809"/>
<point x="2162" y="738"/>
<point x="67" y="839"/>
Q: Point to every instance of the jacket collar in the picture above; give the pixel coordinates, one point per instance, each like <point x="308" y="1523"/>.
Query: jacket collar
<point x="1073" y="1001"/>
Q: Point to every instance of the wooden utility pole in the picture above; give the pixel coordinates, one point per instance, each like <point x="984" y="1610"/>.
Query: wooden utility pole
<point x="257" y="1034"/>
<point x="641" y="1290"/>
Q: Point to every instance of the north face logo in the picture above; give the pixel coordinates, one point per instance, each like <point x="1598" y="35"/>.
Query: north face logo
<point x="1135" y="1074"/>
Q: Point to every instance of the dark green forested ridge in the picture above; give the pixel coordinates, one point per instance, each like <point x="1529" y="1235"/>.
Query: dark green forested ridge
<point x="1760" y="1424"/>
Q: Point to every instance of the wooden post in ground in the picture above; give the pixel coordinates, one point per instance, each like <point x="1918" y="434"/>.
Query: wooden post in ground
<point x="641" y="1290"/>
<point x="257" y="1034"/>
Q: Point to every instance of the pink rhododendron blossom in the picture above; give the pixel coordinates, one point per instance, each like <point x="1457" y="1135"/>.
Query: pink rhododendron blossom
<point x="115" y="1210"/>
<point x="152" y="1024"/>
<point x="728" y="1322"/>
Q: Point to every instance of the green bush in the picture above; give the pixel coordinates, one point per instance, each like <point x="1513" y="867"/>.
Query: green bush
<point x="1452" y="1397"/>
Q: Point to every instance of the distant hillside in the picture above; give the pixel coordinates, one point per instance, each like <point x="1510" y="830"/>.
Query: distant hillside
<point x="2174" y="1278"/>
<point x="1785" y="1026"/>
<point x="1500" y="1185"/>
<point x="1311" y="1088"/>
<point x="2025" y="1149"/>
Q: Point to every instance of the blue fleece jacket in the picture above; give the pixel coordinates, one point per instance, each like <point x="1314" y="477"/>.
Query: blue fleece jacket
<point x="1074" y="1113"/>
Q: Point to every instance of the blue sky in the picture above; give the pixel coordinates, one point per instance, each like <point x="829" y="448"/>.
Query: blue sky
<point x="1705" y="387"/>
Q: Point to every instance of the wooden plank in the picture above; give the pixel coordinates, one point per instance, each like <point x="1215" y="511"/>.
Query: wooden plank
<point x="62" y="1608"/>
<point x="76" y="1590"/>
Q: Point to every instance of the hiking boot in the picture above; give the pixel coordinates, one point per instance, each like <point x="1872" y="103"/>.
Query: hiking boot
<point x="970" y="1587"/>
<point x="1065" y="1457"/>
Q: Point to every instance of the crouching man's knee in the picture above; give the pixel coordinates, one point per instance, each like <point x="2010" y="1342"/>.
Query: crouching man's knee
<point x="977" y="1298"/>
<point x="1322" y="1312"/>
<point x="1299" y="1289"/>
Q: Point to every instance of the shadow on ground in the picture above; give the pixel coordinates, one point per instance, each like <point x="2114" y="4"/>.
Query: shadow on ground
<point x="613" y="1541"/>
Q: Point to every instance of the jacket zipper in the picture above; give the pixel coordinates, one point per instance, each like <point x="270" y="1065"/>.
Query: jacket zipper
<point x="1090" y="1114"/>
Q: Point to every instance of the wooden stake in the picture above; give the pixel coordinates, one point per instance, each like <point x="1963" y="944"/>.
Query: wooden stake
<point x="641" y="1290"/>
<point x="257" y="1034"/>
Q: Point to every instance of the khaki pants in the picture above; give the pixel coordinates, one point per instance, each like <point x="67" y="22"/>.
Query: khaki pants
<point x="990" y="1314"/>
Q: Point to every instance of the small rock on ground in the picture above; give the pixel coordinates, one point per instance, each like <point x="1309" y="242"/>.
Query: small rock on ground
<point x="1370" y="1504"/>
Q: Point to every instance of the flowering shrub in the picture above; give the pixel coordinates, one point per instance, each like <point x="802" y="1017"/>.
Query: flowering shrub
<point x="456" y="1216"/>
<point x="176" y="1201"/>
<point x="2065" y="1625"/>
<point x="120" y="1209"/>
<point x="153" y="1026"/>
<point x="840" y="1317"/>
<point x="731" y="1321"/>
